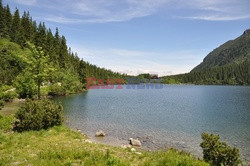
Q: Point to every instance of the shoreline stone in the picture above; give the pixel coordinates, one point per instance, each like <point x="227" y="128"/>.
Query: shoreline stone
<point x="134" y="142"/>
<point x="100" y="133"/>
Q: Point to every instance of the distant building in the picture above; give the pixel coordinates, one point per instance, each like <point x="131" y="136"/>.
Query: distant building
<point x="154" y="76"/>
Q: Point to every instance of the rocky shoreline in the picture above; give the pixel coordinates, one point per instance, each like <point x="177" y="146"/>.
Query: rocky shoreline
<point x="147" y="143"/>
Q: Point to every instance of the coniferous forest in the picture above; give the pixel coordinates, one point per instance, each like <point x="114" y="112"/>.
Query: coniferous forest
<point x="228" y="64"/>
<point x="34" y="60"/>
<point x="24" y="43"/>
<point x="36" y="63"/>
<point x="233" y="74"/>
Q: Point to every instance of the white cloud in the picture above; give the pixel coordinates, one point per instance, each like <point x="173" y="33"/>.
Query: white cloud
<point x="61" y="19"/>
<point x="101" y="11"/>
<point x="26" y="2"/>
<point x="217" y="17"/>
<point x="217" y="10"/>
<point x="116" y="10"/>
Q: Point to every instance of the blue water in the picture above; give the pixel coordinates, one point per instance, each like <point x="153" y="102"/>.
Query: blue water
<point x="174" y="116"/>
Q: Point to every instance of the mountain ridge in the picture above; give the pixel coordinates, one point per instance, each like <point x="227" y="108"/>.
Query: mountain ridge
<point x="233" y="51"/>
<point x="228" y="64"/>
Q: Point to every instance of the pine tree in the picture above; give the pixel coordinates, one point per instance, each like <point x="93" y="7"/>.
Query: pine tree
<point x="8" y="17"/>
<point x="57" y="37"/>
<point x="40" y="38"/>
<point x="50" y="48"/>
<point x="63" y="53"/>
<point x="21" y="40"/>
<point x="27" y="26"/>
<point x="33" y="30"/>
<point x="57" y="41"/>
<point x="15" y="26"/>
<point x="3" y="27"/>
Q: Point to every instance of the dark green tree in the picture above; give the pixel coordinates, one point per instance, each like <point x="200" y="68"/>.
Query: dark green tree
<point x="8" y="18"/>
<point x="40" y="37"/>
<point x="21" y="40"/>
<point x="218" y="153"/>
<point x="3" y="26"/>
<point x="50" y="47"/>
<point x="37" y="115"/>
<point x="15" y="26"/>
<point x="27" y="26"/>
<point x="63" y="53"/>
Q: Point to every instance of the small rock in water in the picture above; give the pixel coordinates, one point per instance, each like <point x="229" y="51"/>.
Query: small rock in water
<point x="100" y="133"/>
<point x="78" y="130"/>
<point x="134" y="142"/>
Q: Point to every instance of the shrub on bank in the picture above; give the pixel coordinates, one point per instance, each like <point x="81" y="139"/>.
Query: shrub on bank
<point x="25" y="85"/>
<point x="39" y="114"/>
<point x="1" y="104"/>
<point x="218" y="153"/>
<point x="9" y="96"/>
<point x="56" y="90"/>
<point x="7" y="93"/>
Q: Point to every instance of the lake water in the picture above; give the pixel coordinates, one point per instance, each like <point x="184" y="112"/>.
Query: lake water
<point x="174" y="116"/>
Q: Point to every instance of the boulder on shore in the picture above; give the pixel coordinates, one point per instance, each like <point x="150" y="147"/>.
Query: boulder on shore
<point x="134" y="142"/>
<point x="79" y="131"/>
<point x="100" y="133"/>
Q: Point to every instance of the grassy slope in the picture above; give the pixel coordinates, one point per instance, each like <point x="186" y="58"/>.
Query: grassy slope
<point x="62" y="146"/>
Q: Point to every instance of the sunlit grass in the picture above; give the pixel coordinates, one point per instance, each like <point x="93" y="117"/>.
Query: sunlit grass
<point x="62" y="146"/>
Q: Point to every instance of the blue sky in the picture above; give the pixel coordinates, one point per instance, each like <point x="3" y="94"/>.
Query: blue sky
<point x="136" y="36"/>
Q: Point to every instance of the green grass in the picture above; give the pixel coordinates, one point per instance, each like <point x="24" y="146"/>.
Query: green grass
<point x="10" y="108"/>
<point x="62" y="146"/>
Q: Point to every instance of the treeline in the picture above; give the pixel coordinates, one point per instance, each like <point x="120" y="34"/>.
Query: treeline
<point x="69" y="72"/>
<point x="234" y="74"/>
<point x="101" y="73"/>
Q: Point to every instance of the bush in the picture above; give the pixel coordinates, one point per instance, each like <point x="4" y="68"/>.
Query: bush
<point x="56" y="90"/>
<point x="25" y="85"/>
<point x="218" y="153"/>
<point x="7" y="93"/>
<point x="9" y="96"/>
<point x="65" y="82"/>
<point x="36" y="115"/>
<point x="1" y="103"/>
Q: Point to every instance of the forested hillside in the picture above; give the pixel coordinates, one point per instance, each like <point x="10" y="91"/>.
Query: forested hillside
<point x="227" y="64"/>
<point x="24" y="42"/>
<point x="232" y="52"/>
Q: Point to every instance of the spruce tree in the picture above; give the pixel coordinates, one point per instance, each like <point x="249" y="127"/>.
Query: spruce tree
<point x="33" y="30"/>
<point x="40" y="38"/>
<point x="15" y="26"/>
<point x="3" y="27"/>
<point x="50" y="48"/>
<point x="8" y="18"/>
<point x="21" y="40"/>
<point x="57" y="41"/>
<point x="27" y="26"/>
<point x="63" y="53"/>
